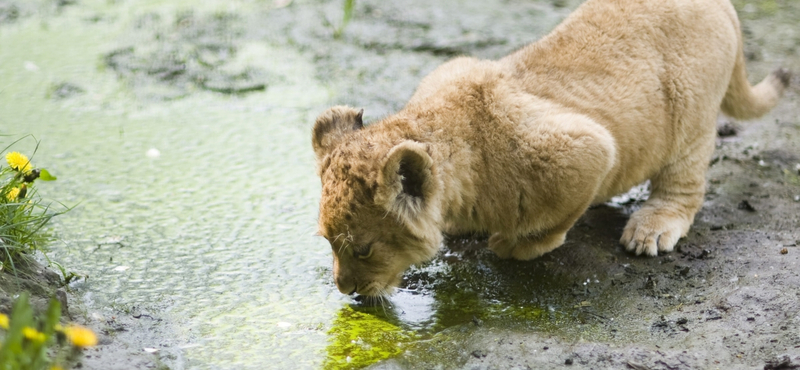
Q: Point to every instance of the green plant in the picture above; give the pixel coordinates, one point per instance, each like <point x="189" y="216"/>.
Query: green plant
<point x="348" y="14"/>
<point x="39" y="343"/>
<point x="22" y="212"/>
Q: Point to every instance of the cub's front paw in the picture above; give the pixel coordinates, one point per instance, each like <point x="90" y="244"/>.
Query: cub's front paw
<point x="525" y="248"/>
<point x="650" y="230"/>
<point x="501" y="245"/>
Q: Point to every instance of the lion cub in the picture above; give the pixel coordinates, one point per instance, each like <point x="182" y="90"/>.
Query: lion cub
<point x="621" y="92"/>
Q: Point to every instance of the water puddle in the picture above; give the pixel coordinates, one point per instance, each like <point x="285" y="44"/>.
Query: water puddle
<point x="197" y="205"/>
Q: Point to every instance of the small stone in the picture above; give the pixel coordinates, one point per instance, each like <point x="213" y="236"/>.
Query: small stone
<point x="30" y="66"/>
<point x="64" y="90"/>
<point x="784" y="251"/>
<point x="568" y="361"/>
<point x="727" y="128"/>
<point x="478" y="353"/>
<point x="746" y="206"/>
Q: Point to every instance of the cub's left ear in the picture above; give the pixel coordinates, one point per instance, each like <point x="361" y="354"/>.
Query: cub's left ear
<point x="406" y="180"/>
<point x="332" y="126"/>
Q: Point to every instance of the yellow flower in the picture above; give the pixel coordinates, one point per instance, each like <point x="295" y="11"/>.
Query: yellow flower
<point x="12" y="194"/>
<point x="3" y="321"/>
<point x="33" y="334"/>
<point x="19" y="162"/>
<point x="80" y="336"/>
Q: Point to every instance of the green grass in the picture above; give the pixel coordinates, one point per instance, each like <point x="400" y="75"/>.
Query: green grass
<point x="348" y="14"/>
<point x="23" y="213"/>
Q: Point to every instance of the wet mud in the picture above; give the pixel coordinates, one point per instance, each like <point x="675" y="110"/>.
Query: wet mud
<point x="726" y="298"/>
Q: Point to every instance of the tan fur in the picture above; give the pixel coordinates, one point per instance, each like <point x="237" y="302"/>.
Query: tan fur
<point x="621" y="92"/>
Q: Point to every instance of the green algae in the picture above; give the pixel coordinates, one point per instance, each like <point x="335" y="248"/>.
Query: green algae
<point x="358" y="339"/>
<point x="450" y="301"/>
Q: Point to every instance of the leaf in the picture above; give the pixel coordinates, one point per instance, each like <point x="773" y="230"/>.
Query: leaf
<point x="348" y="14"/>
<point x="44" y="175"/>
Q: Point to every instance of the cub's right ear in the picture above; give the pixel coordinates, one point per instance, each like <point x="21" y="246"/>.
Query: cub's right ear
<point x="332" y="126"/>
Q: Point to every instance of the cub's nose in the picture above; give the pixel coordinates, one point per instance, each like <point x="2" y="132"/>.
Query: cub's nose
<point x="345" y="286"/>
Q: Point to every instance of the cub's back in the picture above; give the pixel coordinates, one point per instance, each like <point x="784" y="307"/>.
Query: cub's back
<point x="643" y="69"/>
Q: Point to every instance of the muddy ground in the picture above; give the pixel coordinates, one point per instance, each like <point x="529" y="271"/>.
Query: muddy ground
<point x="727" y="298"/>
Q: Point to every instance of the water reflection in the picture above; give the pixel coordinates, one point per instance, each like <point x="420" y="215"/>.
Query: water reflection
<point x="468" y="287"/>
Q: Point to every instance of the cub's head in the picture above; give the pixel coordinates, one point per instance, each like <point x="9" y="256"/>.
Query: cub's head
<point x="380" y="201"/>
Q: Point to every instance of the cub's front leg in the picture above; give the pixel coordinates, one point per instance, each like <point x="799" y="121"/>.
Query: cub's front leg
<point x="676" y="196"/>
<point x="569" y="157"/>
<point x="528" y="247"/>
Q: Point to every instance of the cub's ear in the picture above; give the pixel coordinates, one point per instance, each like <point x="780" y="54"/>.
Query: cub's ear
<point x="333" y="125"/>
<point x="406" y="181"/>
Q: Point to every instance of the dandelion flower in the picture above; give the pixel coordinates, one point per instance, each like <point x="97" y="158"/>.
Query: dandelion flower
<point x="80" y="336"/>
<point x="33" y="334"/>
<point x="19" y="162"/>
<point x="3" y="321"/>
<point x="12" y="194"/>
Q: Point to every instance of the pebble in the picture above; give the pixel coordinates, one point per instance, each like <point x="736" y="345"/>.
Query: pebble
<point x="478" y="353"/>
<point x="784" y="251"/>
<point x="746" y="206"/>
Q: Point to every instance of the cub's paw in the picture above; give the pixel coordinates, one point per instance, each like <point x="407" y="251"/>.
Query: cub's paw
<point x="501" y="245"/>
<point x="648" y="231"/>
<point x="526" y="248"/>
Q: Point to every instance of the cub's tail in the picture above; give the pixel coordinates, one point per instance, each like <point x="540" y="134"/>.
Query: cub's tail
<point x="744" y="101"/>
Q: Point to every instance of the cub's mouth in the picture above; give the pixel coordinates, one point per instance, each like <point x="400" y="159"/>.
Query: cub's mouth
<point x="372" y="300"/>
<point x="377" y="289"/>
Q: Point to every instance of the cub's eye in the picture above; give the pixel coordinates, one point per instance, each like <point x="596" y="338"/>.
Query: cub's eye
<point x="363" y="252"/>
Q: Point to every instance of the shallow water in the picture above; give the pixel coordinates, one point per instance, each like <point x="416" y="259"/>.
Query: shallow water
<point x="196" y="207"/>
<point x="199" y="208"/>
<point x="215" y="234"/>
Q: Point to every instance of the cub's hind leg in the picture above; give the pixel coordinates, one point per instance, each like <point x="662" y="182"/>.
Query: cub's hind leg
<point x="676" y="195"/>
